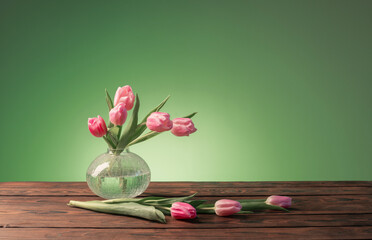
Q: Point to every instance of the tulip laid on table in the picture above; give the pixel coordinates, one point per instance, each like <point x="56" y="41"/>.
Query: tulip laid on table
<point x="180" y="208"/>
<point x="281" y="201"/>
<point x="227" y="207"/>
<point x="119" y="137"/>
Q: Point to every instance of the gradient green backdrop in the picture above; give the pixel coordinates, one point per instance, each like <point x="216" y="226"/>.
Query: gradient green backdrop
<point x="283" y="88"/>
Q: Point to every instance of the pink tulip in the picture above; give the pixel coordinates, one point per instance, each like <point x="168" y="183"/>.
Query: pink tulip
<point x="183" y="127"/>
<point x="226" y="207"/>
<point x="159" y="122"/>
<point x="124" y="95"/>
<point x="118" y="114"/>
<point x="280" y="201"/>
<point x="181" y="210"/>
<point x="97" y="126"/>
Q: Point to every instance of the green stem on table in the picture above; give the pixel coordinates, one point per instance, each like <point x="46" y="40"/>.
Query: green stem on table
<point x="259" y="206"/>
<point x="164" y="210"/>
<point x="206" y="210"/>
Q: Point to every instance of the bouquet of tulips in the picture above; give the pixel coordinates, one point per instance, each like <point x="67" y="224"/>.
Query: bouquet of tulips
<point x="118" y="137"/>
<point x="154" y="208"/>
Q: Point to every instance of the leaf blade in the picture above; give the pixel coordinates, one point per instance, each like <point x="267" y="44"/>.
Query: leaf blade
<point x="156" y="109"/>
<point x="142" y="125"/>
<point x="109" y="100"/>
<point x="128" y="209"/>
<point x="190" y="115"/>
<point x="130" y="127"/>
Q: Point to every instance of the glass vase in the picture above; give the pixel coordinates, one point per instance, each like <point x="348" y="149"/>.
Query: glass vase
<point x="118" y="174"/>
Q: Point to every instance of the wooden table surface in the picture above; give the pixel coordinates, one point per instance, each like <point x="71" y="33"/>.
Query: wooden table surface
<point x="321" y="210"/>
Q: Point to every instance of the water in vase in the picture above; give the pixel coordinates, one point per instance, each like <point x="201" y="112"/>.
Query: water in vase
<point x="125" y="175"/>
<point x="119" y="187"/>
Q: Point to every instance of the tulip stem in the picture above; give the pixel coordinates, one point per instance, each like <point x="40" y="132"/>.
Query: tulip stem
<point x="141" y="124"/>
<point x="162" y="207"/>
<point x="109" y="142"/>
<point x="119" y="132"/>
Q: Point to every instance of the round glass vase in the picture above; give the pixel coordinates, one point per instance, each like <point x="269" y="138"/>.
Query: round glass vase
<point x="118" y="174"/>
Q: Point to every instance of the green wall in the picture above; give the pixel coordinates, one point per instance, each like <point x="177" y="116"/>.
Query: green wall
<point x="282" y="88"/>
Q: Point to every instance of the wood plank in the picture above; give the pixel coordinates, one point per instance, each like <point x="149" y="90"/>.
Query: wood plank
<point x="308" y="211"/>
<point x="245" y="184"/>
<point x="292" y="191"/>
<point x="236" y="233"/>
<point x="270" y="184"/>
<point x="182" y="189"/>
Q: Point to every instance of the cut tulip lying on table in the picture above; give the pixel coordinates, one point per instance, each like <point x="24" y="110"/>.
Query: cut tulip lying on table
<point x="154" y="208"/>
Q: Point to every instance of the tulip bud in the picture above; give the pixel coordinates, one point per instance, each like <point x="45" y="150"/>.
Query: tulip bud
<point x="226" y="207"/>
<point x="97" y="126"/>
<point x="118" y="114"/>
<point x="124" y="95"/>
<point x="181" y="210"/>
<point x="159" y="122"/>
<point x="280" y="201"/>
<point x="183" y="127"/>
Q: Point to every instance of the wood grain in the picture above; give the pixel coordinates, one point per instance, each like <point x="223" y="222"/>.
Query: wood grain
<point x="54" y="211"/>
<point x="186" y="188"/>
<point x="321" y="210"/>
<point x="236" y="233"/>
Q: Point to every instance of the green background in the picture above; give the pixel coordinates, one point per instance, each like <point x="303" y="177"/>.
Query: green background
<point x="282" y="88"/>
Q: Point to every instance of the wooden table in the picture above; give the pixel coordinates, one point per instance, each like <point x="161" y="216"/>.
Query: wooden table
<point x="321" y="210"/>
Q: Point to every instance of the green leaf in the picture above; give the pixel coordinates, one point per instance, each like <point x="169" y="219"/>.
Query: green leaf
<point x="109" y="142"/>
<point x="164" y="211"/>
<point x="113" y="138"/>
<point x="130" y="127"/>
<point x="144" y="137"/>
<point x="110" y="106"/>
<point x="129" y="209"/>
<point x="206" y="205"/>
<point x="150" y="134"/>
<point x="114" y="132"/>
<point x="165" y="201"/>
<point x="195" y="203"/>
<point x="120" y="200"/>
<point x="152" y="198"/>
<point x="206" y="210"/>
<point x="244" y="212"/>
<point x="142" y="126"/>
<point x="190" y="115"/>
<point x="109" y="101"/>
<point x="156" y="109"/>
